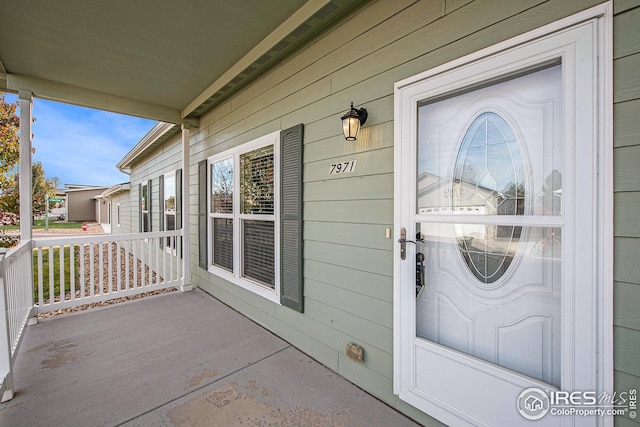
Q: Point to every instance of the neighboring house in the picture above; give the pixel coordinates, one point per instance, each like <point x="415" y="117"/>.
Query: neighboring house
<point x="102" y="210"/>
<point x="84" y="203"/>
<point x="484" y="174"/>
<point x="119" y="201"/>
<point x="155" y="197"/>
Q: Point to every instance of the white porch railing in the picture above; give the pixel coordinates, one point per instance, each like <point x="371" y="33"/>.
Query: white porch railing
<point x="40" y="276"/>
<point x="80" y="270"/>
<point x="16" y="297"/>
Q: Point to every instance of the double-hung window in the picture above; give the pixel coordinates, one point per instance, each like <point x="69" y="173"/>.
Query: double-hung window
<point x="243" y="215"/>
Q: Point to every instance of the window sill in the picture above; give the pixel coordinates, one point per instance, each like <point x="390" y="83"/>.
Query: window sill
<point x="254" y="287"/>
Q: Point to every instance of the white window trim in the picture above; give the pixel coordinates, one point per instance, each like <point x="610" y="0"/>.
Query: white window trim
<point x="235" y="277"/>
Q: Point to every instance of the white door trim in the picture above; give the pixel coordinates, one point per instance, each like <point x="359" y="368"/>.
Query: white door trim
<point x="602" y="16"/>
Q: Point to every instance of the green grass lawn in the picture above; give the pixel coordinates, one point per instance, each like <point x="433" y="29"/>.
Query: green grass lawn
<point x="56" y="271"/>
<point x="39" y="223"/>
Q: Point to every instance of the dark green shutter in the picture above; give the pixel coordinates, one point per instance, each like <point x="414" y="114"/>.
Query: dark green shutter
<point x="291" y="256"/>
<point x="140" y="221"/>
<point x="202" y="214"/>
<point x="150" y="202"/>
<point x="179" y="204"/>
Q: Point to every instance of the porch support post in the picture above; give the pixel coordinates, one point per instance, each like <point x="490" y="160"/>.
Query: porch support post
<point x="26" y="209"/>
<point x="186" y="214"/>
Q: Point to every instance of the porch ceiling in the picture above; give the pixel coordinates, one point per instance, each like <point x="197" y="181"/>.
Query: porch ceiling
<point x="160" y="59"/>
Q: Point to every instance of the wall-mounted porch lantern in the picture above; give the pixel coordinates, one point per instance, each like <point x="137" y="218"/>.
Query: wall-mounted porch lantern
<point x="352" y="121"/>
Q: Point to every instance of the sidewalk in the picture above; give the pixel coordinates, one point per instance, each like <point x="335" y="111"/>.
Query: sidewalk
<point x="38" y="233"/>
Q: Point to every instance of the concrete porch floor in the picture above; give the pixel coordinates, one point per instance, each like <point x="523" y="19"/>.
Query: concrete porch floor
<point x="179" y="359"/>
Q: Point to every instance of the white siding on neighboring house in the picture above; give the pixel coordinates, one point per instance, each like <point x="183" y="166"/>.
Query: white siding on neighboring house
<point x="122" y="202"/>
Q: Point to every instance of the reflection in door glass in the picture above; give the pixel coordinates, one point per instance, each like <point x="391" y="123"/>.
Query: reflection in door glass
<point x="488" y="250"/>
<point x="496" y="150"/>
<point x="515" y="325"/>
<point x="488" y="175"/>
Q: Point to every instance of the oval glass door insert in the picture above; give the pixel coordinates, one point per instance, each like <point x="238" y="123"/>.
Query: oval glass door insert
<point x="488" y="179"/>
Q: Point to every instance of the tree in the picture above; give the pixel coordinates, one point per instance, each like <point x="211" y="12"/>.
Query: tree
<point x="9" y="158"/>
<point x="41" y="187"/>
<point x="55" y="181"/>
<point x="9" y="138"/>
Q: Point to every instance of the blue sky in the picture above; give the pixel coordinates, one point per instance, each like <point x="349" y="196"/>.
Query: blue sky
<point x="80" y="145"/>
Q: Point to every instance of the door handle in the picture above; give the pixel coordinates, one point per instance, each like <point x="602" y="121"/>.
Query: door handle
<point x="403" y="242"/>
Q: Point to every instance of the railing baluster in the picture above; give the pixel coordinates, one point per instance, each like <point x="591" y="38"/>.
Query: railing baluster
<point x="157" y="249"/>
<point x="165" y="249"/>
<point x="72" y="272"/>
<point x="172" y="270"/>
<point x="178" y="259"/>
<point x="118" y="267"/>
<point x="110" y="266"/>
<point x="92" y="291"/>
<point x="100" y="247"/>
<point x="51" y="263"/>
<point x="62" y="282"/>
<point x="40" y="279"/>
<point x="127" y="256"/>
<point x="134" y="263"/>
<point x="150" y="247"/>
<point x="83" y="279"/>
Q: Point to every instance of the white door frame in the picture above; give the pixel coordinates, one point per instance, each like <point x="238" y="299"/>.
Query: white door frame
<point x="602" y="131"/>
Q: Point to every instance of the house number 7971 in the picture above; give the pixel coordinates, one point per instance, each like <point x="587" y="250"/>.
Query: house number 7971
<point x="343" y="167"/>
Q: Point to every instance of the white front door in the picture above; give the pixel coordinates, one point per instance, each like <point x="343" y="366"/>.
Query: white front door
<point x="497" y="199"/>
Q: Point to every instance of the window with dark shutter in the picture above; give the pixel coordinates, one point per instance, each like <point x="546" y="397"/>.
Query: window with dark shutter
<point x="244" y="215"/>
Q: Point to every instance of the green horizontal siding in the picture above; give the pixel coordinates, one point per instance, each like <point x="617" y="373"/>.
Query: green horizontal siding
<point x="375" y="187"/>
<point x="351" y="211"/>
<point x="626" y="302"/>
<point x="627" y="350"/>
<point x="359" y="281"/>
<point x="626" y="199"/>
<point x="626" y="116"/>
<point x="348" y="259"/>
